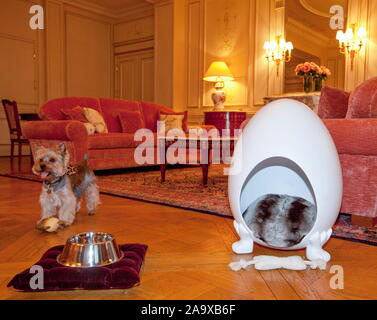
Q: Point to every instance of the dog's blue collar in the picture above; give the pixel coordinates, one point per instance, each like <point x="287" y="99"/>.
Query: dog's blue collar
<point x="55" y="185"/>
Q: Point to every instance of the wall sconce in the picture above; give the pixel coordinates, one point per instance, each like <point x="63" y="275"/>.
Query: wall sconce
<point x="352" y="41"/>
<point x="278" y="51"/>
<point x="218" y="72"/>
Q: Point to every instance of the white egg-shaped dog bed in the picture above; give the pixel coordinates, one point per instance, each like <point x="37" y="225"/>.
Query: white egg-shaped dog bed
<point x="285" y="149"/>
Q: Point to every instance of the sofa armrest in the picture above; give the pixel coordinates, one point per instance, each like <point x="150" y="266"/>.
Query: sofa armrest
<point x="65" y="130"/>
<point x="49" y="133"/>
<point x="354" y="136"/>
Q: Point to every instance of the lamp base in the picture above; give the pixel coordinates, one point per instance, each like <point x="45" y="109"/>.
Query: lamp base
<point x="218" y="98"/>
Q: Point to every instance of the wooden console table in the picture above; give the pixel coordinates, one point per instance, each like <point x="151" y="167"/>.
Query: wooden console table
<point x="310" y="99"/>
<point x="225" y="120"/>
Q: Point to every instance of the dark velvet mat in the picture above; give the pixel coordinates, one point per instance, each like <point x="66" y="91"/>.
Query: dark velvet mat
<point x="123" y="274"/>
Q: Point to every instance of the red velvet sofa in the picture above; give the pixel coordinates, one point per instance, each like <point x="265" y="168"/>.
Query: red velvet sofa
<point x="107" y="150"/>
<point x="351" y="119"/>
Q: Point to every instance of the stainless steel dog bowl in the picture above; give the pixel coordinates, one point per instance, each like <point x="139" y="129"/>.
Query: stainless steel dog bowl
<point x="90" y="249"/>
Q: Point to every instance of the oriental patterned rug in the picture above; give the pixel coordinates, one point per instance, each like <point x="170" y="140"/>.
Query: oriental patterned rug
<point x="183" y="189"/>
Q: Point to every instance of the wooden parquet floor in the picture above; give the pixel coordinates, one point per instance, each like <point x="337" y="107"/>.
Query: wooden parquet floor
<point x="187" y="258"/>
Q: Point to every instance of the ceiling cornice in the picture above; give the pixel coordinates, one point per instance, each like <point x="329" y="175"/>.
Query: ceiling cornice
<point x="315" y="11"/>
<point x="316" y="36"/>
<point x="114" y="14"/>
<point x="308" y="7"/>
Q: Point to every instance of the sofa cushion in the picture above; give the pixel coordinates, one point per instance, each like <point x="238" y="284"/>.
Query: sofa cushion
<point x="363" y="100"/>
<point x="76" y="113"/>
<point x="96" y="119"/>
<point x="111" y="109"/>
<point x="131" y="121"/>
<point x="90" y="128"/>
<point x="173" y="123"/>
<point x="333" y="103"/>
<point x="183" y="126"/>
<point x="151" y="114"/>
<point x="51" y="110"/>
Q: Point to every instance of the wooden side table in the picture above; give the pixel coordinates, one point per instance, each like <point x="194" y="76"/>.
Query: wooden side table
<point x="203" y="145"/>
<point x="225" y="120"/>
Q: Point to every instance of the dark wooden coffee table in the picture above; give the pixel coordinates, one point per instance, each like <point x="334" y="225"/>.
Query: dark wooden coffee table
<point x="205" y="146"/>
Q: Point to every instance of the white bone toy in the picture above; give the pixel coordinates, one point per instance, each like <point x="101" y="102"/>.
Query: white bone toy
<point x="271" y="262"/>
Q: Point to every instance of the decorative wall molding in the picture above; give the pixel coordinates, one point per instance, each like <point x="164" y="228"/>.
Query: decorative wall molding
<point x="134" y="29"/>
<point x="251" y="66"/>
<point x="163" y="50"/>
<point x="107" y="75"/>
<point x="133" y="41"/>
<point x="371" y="49"/>
<point x="22" y="58"/>
<point x="194" y="57"/>
<point x="226" y="27"/>
<point x="114" y="14"/>
<point x="137" y="46"/>
<point x="316" y="37"/>
<point x="262" y="33"/>
<point x="359" y="12"/>
<point x="308" y="7"/>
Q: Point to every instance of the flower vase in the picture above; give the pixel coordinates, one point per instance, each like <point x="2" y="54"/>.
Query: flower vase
<point x="318" y="83"/>
<point x="308" y="84"/>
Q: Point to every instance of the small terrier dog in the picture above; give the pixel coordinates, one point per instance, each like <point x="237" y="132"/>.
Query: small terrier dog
<point x="63" y="185"/>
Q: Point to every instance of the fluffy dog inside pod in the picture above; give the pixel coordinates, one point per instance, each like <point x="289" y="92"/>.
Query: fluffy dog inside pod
<point x="282" y="212"/>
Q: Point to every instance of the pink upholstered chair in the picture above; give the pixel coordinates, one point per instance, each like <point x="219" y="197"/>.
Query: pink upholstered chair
<point x="351" y="119"/>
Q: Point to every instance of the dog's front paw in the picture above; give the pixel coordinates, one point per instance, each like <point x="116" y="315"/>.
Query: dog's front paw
<point x="91" y="213"/>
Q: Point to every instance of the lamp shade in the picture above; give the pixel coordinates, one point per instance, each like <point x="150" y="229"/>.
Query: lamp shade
<point x="218" y="71"/>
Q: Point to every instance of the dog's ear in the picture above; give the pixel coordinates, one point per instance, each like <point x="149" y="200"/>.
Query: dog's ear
<point x="62" y="148"/>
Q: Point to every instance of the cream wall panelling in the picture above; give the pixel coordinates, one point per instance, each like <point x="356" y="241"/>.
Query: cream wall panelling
<point x="216" y="31"/>
<point x="144" y="7"/>
<point x="78" y="51"/>
<point x="270" y="22"/>
<point x="134" y="56"/>
<point x="163" y="68"/>
<point x="134" y="77"/>
<point x="371" y="67"/>
<point x="23" y="76"/>
<point x="55" y="49"/>
<point x="277" y="21"/>
<point x="194" y="62"/>
<point x="88" y="56"/>
<point x="226" y="37"/>
<point x="134" y="29"/>
<point x="262" y="33"/>
<point x="134" y="45"/>
<point x="359" y="12"/>
<point x="179" y="91"/>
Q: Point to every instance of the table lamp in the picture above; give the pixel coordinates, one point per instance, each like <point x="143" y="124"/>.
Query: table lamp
<point x="218" y="72"/>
